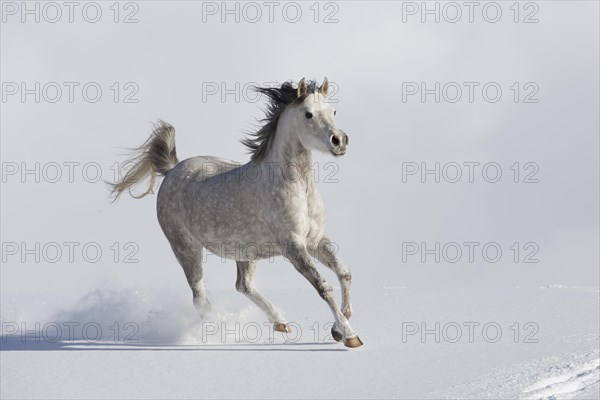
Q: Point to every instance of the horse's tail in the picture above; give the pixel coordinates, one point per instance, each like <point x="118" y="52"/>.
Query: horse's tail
<point x="156" y="156"/>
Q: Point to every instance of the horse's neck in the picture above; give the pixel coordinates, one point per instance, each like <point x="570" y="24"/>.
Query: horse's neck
<point x="291" y="161"/>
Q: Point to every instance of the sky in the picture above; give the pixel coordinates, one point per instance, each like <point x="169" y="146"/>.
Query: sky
<point x="474" y="153"/>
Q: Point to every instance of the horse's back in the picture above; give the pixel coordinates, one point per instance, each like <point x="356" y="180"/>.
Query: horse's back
<point x="201" y="167"/>
<point x="191" y="171"/>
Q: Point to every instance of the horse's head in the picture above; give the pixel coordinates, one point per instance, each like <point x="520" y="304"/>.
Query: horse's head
<point x="313" y="120"/>
<point x="302" y="112"/>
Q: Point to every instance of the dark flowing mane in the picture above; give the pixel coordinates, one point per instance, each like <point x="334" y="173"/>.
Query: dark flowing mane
<point x="260" y="142"/>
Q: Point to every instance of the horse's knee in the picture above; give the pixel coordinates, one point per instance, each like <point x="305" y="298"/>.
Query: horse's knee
<point x="347" y="310"/>
<point x="325" y="291"/>
<point x="346" y="276"/>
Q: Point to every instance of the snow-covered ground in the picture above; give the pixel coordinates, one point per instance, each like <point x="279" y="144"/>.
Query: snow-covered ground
<point x="449" y="343"/>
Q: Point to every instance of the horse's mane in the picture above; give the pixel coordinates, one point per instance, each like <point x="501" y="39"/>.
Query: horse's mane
<point x="260" y="142"/>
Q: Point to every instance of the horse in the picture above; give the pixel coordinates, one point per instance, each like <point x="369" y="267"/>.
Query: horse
<point x="267" y="207"/>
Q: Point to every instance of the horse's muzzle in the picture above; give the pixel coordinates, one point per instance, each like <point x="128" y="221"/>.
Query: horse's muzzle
<point x="339" y="142"/>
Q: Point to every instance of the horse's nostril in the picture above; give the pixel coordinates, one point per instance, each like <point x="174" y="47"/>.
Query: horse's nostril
<point x="347" y="139"/>
<point x="335" y="140"/>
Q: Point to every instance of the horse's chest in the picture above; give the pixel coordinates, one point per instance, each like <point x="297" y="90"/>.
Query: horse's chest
<point x="301" y="213"/>
<point x="315" y="212"/>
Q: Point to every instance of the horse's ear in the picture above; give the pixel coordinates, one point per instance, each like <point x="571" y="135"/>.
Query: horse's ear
<point x="324" y="89"/>
<point x="302" y="89"/>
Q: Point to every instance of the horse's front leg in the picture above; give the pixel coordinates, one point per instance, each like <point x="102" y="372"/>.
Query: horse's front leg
<point x="325" y="253"/>
<point x="299" y="256"/>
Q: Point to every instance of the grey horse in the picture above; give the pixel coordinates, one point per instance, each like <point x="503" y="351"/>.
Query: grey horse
<point x="265" y="208"/>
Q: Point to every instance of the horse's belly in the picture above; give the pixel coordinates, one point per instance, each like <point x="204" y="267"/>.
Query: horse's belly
<point x="243" y="251"/>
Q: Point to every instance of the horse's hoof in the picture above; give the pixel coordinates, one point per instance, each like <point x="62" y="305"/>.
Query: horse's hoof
<point x="337" y="336"/>
<point x="353" y="341"/>
<point x="282" y="328"/>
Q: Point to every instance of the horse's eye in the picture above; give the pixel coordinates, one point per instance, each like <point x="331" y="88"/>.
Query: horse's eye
<point x="334" y="112"/>
<point x="308" y="115"/>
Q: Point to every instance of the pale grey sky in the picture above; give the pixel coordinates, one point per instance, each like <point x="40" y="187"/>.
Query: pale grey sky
<point x="166" y="59"/>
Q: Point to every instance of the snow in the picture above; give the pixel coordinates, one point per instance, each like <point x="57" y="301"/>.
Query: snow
<point x="548" y="346"/>
<point x="572" y="380"/>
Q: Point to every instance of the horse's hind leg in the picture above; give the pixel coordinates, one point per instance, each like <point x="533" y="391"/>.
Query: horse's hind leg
<point x="245" y="284"/>
<point x="189" y="255"/>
